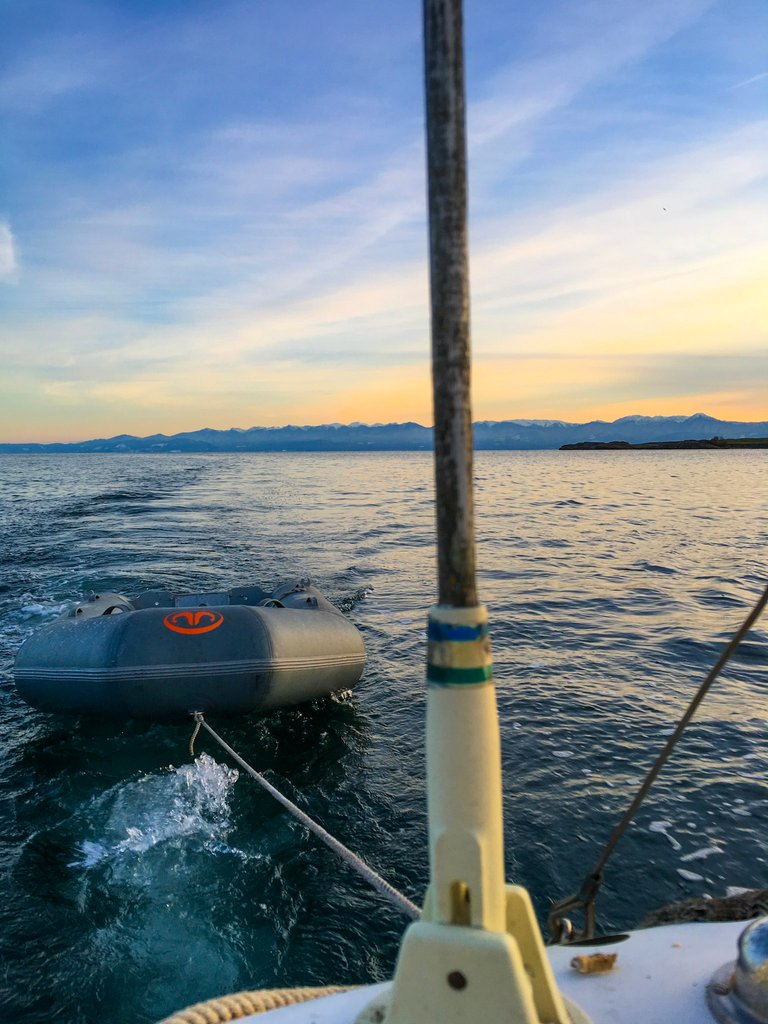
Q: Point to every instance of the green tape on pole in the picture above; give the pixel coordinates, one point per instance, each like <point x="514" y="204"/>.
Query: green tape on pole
<point x="442" y="676"/>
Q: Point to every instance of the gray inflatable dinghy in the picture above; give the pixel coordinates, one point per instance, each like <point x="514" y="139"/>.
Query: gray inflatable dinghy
<point x="163" y="656"/>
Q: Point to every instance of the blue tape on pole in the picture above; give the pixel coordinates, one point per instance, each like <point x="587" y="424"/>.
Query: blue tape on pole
<point x="446" y="631"/>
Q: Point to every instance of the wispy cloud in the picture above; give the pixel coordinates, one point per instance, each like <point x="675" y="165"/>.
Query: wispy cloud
<point x="576" y="48"/>
<point x="8" y="262"/>
<point x="32" y="83"/>
<point x="751" y="81"/>
<point x="663" y="223"/>
<point x="221" y="217"/>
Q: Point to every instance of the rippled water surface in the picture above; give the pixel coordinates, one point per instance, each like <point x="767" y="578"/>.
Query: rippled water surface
<point x="136" y="880"/>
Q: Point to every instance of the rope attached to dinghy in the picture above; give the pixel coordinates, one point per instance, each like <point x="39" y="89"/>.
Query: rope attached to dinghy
<point x="380" y="884"/>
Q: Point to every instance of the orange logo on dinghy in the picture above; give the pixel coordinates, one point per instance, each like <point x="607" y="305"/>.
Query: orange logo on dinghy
<point x="193" y="621"/>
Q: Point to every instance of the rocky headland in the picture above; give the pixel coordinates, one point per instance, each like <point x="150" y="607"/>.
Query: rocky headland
<point x="712" y="443"/>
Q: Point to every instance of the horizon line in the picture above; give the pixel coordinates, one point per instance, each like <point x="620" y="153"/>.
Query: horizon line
<point x="524" y="421"/>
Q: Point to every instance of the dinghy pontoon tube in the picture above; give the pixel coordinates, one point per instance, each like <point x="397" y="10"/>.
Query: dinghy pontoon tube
<point x="162" y="656"/>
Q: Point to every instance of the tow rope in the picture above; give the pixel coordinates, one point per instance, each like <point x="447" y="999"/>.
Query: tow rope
<point x="380" y="884"/>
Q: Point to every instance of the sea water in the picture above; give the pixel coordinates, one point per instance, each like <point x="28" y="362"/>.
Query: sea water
<point x="136" y="879"/>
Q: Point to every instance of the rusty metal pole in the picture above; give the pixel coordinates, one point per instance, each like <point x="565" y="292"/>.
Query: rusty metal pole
<point x="461" y="963"/>
<point x="463" y="757"/>
<point x="449" y="277"/>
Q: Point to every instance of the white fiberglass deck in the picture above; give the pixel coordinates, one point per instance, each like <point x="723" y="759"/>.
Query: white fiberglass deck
<point x="660" y="977"/>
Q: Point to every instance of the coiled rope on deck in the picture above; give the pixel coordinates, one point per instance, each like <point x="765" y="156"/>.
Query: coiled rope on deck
<point x="242" y="1004"/>
<point x="380" y="884"/>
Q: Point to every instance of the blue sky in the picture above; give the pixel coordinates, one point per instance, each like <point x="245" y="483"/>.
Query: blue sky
<point x="213" y="214"/>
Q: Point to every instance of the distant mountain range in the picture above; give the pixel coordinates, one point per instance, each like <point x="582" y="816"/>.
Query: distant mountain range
<point x="356" y="437"/>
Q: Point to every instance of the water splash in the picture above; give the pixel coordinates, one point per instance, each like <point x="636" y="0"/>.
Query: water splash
<point x="706" y="851"/>
<point x="351" y="601"/>
<point x="689" y="876"/>
<point x="37" y="609"/>
<point x="662" y="828"/>
<point x="168" y="807"/>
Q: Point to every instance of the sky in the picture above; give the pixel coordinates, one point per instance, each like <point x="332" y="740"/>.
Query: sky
<point x="213" y="213"/>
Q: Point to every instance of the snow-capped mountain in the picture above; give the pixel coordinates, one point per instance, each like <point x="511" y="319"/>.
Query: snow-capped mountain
<point x="488" y="435"/>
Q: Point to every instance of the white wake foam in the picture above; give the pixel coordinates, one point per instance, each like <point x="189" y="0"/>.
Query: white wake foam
<point x="164" y="807"/>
